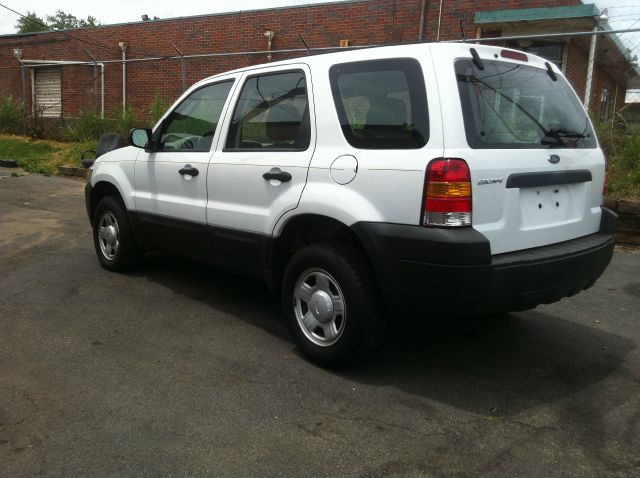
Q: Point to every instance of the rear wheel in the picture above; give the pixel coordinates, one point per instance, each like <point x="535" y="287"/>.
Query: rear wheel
<point x="113" y="237"/>
<point x="331" y="304"/>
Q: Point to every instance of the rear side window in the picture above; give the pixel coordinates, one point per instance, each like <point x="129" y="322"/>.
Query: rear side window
<point x="381" y="104"/>
<point x="509" y="105"/>
<point x="272" y="114"/>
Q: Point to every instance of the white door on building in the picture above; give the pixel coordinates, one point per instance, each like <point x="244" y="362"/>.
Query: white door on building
<point x="47" y="92"/>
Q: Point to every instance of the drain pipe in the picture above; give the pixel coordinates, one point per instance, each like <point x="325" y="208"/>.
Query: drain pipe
<point x="101" y="65"/>
<point x="123" y="47"/>
<point x="590" y="65"/>
<point x="423" y="9"/>
<point x="603" y="17"/>
<point x="17" y="53"/>
<point x="439" y="21"/>
<point x="269" y="34"/>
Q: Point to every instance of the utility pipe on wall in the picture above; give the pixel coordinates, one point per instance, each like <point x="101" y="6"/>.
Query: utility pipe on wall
<point x="423" y="8"/>
<point x="592" y="56"/>
<point x="123" y="47"/>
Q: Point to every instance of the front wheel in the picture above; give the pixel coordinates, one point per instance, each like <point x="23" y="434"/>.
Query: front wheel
<point x="113" y="238"/>
<point x="331" y="304"/>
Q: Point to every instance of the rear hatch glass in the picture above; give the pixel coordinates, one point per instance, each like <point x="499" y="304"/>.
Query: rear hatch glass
<point x="515" y="106"/>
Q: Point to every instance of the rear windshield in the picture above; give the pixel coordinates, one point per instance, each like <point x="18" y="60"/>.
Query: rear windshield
<point x="518" y="106"/>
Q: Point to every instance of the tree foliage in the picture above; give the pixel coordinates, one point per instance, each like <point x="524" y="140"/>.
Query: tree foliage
<point x="58" y="21"/>
<point x="30" y="23"/>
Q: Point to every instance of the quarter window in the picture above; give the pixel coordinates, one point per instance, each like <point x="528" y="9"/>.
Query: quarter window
<point x="272" y="114"/>
<point x="381" y="104"/>
<point x="192" y="124"/>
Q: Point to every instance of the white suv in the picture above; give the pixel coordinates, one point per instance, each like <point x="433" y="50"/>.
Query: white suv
<point x="422" y="179"/>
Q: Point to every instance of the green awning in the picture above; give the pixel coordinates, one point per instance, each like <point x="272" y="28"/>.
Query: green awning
<point x="531" y="14"/>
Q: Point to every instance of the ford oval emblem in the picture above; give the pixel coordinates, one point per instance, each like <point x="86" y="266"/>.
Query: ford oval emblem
<point x="554" y="159"/>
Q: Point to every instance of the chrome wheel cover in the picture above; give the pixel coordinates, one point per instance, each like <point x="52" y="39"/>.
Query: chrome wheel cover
<point x="319" y="306"/>
<point x="108" y="235"/>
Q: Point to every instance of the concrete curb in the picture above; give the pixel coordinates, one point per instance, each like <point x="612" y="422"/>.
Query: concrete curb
<point x="628" y="220"/>
<point x="71" y="171"/>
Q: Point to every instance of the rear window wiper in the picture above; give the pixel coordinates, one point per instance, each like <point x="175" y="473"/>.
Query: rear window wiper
<point x="554" y="136"/>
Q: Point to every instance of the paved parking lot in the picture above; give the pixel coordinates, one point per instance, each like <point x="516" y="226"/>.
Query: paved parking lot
<point x="179" y="369"/>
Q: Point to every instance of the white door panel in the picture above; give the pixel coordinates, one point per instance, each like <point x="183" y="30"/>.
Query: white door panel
<point x="162" y="190"/>
<point x="269" y="128"/>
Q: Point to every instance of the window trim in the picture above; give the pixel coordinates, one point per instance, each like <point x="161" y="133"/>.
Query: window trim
<point x="159" y="131"/>
<point x="226" y="149"/>
<point x="420" y="88"/>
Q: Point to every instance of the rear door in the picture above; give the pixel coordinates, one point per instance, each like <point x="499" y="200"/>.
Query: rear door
<point x="260" y="167"/>
<point x="537" y="171"/>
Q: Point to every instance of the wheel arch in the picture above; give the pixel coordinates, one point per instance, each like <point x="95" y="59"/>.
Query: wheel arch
<point x="100" y="190"/>
<point x="304" y="229"/>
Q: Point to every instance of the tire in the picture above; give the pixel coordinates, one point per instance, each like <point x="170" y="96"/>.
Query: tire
<point x="113" y="237"/>
<point x="336" y="280"/>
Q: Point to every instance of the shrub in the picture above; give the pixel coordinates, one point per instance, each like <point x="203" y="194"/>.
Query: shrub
<point x="11" y="115"/>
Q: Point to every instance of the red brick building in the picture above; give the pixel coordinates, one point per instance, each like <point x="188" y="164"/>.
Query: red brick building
<point x="55" y="72"/>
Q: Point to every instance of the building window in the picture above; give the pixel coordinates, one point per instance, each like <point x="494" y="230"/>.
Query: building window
<point x="47" y="92"/>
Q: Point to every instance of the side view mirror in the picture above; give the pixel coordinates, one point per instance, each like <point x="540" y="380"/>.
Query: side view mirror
<point x="140" y="138"/>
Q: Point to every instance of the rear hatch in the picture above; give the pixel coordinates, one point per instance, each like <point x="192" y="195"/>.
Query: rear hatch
<point x="536" y="169"/>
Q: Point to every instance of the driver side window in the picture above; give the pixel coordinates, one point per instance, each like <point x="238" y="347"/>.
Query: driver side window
<point x="192" y="124"/>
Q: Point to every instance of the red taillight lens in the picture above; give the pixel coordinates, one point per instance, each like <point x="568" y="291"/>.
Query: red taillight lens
<point x="514" y="55"/>
<point x="447" y="194"/>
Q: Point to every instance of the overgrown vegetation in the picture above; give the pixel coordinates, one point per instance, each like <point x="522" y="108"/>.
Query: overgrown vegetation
<point x="159" y="106"/>
<point x="41" y="156"/>
<point x="10" y="115"/>
<point x="621" y="144"/>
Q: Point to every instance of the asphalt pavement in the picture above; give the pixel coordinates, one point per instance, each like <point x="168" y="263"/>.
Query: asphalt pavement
<point x="179" y="369"/>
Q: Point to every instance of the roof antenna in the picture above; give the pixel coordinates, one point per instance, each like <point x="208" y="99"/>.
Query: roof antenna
<point x="462" y="32"/>
<point x="304" y="41"/>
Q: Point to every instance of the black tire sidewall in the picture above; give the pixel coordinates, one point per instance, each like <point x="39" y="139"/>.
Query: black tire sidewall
<point x="128" y="254"/>
<point x="345" y="264"/>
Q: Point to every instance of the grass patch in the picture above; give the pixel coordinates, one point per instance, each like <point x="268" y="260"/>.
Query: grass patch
<point x="42" y="156"/>
<point x="621" y="144"/>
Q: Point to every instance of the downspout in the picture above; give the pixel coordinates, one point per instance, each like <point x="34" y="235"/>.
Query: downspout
<point x="269" y="34"/>
<point x="123" y="47"/>
<point x="17" y="53"/>
<point x="101" y="89"/>
<point x="592" y="55"/>
<point x="423" y="8"/>
<point x="439" y="21"/>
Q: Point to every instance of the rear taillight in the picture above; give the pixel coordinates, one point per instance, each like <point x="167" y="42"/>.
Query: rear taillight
<point x="447" y="194"/>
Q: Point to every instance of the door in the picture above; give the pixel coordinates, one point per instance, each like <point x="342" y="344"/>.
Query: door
<point x="170" y="179"/>
<point x="260" y="168"/>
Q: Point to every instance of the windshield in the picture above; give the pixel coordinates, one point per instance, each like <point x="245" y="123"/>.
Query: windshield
<point x="517" y="106"/>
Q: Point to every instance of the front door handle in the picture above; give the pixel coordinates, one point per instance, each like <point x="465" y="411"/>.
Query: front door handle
<point x="281" y="176"/>
<point x="190" y="170"/>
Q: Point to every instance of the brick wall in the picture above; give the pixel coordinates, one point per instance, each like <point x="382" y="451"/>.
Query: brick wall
<point x="362" y="22"/>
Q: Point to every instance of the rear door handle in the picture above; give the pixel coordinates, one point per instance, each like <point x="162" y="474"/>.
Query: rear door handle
<point x="190" y="170"/>
<point x="281" y="176"/>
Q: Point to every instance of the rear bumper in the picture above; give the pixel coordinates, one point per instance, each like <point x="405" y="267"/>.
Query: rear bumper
<point x="453" y="272"/>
